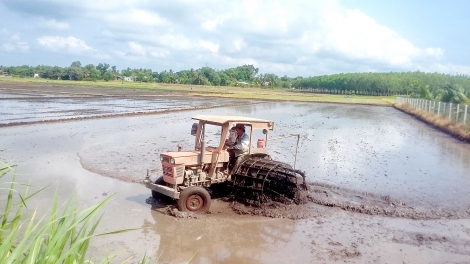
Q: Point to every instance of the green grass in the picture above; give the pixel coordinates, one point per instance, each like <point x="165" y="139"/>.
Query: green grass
<point x="218" y="91"/>
<point x="62" y="237"/>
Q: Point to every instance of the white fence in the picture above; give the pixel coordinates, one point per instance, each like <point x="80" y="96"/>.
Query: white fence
<point x="455" y="112"/>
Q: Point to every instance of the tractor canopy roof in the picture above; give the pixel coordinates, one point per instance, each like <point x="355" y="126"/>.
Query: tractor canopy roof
<point x="221" y="120"/>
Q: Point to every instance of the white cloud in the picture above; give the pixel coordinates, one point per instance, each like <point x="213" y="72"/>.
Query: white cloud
<point x="159" y="53"/>
<point x="22" y="46"/>
<point x="211" y="24"/>
<point x="357" y="36"/>
<point x="101" y="56"/>
<point x="448" y="68"/>
<point x="18" y="46"/>
<point x="54" y="24"/>
<point x="14" y="43"/>
<point x="71" y="44"/>
<point x="8" y="47"/>
<point x="4" y="31"/>
<point x="15" y="37"/>
<point x="136" y="17"/>
<point x="136" y="48"/>
<point x="309" y="37"/>
<point x="211" y="46"/>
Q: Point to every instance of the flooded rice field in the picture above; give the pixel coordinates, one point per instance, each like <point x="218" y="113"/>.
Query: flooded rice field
<point x="22" y="107"/>
<point x="361" y="162"/>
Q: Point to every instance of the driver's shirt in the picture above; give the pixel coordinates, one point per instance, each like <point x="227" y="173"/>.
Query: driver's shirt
<point x="242" y="145"/>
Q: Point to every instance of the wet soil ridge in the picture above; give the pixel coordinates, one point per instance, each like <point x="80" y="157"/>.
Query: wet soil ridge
<point x="119" y="115"/>
<point x="373" y="204"/>
<point x="435" y="241"/>
<point x="457" y="130"/>
<point x="349" y="200"/>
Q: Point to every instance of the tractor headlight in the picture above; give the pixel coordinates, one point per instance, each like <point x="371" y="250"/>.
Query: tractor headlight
<point x="172" y="161"/>
<point x="161" y="158"/>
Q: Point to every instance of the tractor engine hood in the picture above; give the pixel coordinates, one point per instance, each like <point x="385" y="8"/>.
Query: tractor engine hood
<point x="181" y="157"/>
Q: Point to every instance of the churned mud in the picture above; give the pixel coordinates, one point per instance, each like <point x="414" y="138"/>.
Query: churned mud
<point x="326" y="196"/>
<point x="384" y="188"/>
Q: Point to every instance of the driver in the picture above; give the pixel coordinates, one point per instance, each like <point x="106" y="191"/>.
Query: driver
<point x="240" y="147"/>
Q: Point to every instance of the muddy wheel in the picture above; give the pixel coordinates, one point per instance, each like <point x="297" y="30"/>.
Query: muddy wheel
<point x="259" y="179"/>
<point x="157" y="195"/>
<point x="260" y="156"/>
<point x="194" y="199"/>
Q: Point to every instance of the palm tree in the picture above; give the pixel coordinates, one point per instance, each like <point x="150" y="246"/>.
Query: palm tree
<point x="452" y="93"/>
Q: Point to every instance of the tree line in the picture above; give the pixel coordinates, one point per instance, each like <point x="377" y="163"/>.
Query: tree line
<point x="433" y="86"/>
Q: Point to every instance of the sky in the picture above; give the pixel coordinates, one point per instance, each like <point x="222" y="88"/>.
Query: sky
<point x="292" y="38"/>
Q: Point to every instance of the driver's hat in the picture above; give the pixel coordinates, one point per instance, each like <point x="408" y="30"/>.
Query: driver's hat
<point x="240" y="126"/>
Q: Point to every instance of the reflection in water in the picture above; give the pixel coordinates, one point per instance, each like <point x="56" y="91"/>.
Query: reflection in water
<point x="212" y="239"/>
<point x="51" y="108"/>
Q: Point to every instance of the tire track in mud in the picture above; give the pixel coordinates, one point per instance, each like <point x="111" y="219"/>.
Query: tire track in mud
<point x="328" y="196"/>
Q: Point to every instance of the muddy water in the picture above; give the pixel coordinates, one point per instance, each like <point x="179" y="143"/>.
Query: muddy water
<point x="367" y="149"/>
<point x="376" y="150"/>
<point x="23" y="108"/>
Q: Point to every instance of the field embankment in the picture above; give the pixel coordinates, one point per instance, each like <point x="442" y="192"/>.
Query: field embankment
<point x="200" y="90"/>
<point x="459" y="131"/>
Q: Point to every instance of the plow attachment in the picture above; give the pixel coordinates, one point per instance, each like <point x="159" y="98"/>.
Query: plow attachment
<point x="259" y="180"/>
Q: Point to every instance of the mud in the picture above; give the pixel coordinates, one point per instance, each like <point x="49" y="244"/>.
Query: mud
<point x="39" y="105"/>
<point x="384" y="187"/>
<point x="323" y="195"/>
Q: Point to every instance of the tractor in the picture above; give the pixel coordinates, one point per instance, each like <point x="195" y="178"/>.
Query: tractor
<point x="255" y="178"/>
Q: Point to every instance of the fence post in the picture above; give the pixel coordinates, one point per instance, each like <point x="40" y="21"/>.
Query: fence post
<point x="450" y="111"/>
<point x="457" y="115"/>
<point x="439" y="108"/>
<point x="465" y="115"/>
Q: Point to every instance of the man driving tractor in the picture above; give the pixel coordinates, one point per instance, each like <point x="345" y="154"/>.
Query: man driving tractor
<point x="239" y="147"/>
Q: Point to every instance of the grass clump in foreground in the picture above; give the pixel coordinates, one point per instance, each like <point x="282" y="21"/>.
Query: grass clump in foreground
<point x="63" y="237"/>
<point x="457" y="130"/>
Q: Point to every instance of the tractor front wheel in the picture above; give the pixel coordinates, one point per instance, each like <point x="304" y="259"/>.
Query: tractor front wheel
<point x="194" y="199"/>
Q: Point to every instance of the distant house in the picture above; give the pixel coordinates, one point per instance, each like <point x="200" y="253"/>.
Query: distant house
<point x="124" y="78"/>
<point x="36" y="75"/>
<point x="242" y="83"/>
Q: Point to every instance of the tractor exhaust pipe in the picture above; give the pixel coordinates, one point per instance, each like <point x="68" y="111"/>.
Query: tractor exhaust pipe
<point x="203" y="151"/>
